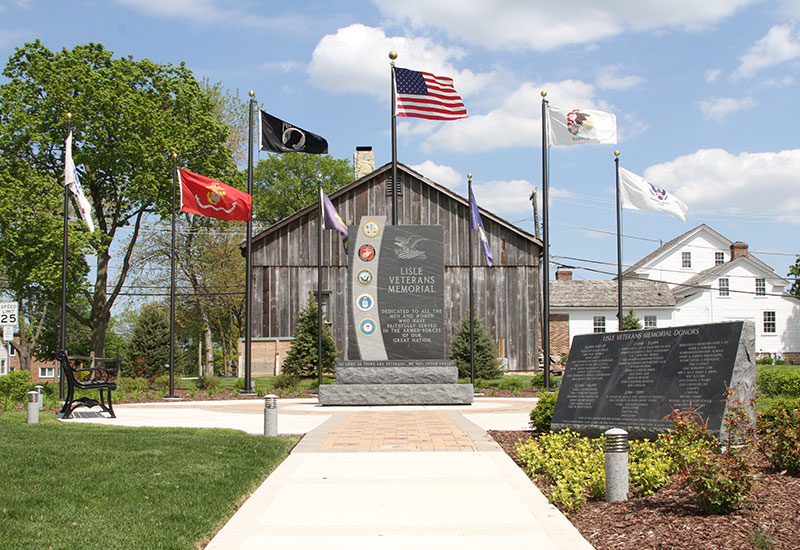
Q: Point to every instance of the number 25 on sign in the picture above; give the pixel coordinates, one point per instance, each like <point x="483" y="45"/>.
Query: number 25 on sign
<point x="8" y="313"/>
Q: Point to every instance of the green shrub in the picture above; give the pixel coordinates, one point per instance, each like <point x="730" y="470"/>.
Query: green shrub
<point x="512" y="384"/>
<point x="15" y="385"/>
<point x="130" y="385"/>
<point x="779" y="430"/>
<point x="537" y="381"/>
<point x="161" y="383"/>
<point x="778" y="382"/>
<point x="193" y="392"/>
<point x="208" y="383"/>
<point x="721" y="478"/>
<point x="650" y="467"/>
<point x="542" y="415"/>
<point x="285" y="383"/>
<point x="487" y="365"/>
<point x="766" y="360"/>
<point x="303" y="355"/>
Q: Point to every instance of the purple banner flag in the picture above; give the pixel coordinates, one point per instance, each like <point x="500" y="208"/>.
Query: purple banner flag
<point x="477" y="223"/>
<point x="331" y="218"/>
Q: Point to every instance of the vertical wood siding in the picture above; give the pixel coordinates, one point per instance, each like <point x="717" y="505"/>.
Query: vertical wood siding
<point x="506" y="295"/>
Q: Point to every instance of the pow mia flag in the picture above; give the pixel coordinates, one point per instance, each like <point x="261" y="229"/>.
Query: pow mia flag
<point x="278" y="136"/>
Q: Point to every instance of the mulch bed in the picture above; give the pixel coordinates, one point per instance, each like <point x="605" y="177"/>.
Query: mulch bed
<point x="670" y="520"/>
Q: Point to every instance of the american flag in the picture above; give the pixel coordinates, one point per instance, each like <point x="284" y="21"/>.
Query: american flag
<point x="423" y="95"/>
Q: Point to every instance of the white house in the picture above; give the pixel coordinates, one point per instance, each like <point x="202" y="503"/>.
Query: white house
<point x="710" y="278"/>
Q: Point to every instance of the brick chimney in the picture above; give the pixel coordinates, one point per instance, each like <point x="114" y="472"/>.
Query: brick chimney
<point x="363" y="161"/>
<point x="738" y="250"/>
<point x="563" y="274"/>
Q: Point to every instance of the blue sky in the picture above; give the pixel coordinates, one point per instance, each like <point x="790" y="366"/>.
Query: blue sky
<point x="704" y="93"/>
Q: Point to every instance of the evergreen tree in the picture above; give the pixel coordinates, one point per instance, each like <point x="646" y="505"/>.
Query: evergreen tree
<point x="487" y="365"/>
<point x="302" y="357"/>
<point x="630" y="321"/>
<point x="149" y="345"/>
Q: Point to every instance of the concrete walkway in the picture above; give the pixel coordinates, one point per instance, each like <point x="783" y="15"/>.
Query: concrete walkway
<point x="380" y="477"/>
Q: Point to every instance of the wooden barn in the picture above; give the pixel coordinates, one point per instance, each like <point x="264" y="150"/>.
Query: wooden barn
<point x="507" y="296"/>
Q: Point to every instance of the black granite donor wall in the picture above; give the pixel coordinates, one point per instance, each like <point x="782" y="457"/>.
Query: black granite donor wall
<point x="634" y="379"/>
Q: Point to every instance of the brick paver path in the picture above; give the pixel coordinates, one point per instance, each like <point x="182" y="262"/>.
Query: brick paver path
<point x="374" y="431"/>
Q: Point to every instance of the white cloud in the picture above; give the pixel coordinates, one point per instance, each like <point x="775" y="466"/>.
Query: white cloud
<point x="516" y="123"/>
<point x="214" y="12"/>
<point x="356" y="59"/>
<point x="718" y="108"/>
<point x="504" y="197"/>
<point x="522" y="24"/>
<point x="11" y="37"/>
<point x="441" y="174"/>
<point x="716" y="180"/>
<point x="712" y="75"/>
<point x="777" y="46"/>
<point x="611" y="78"/>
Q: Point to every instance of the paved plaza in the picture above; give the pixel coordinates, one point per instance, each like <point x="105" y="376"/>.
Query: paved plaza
<point x="379" y="477"/>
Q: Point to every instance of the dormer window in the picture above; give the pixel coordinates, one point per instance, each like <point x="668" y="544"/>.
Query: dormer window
<point x="719" y="258"/>
<point x="686" y="260"/>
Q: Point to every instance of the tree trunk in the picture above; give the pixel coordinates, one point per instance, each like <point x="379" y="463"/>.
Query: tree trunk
<point x="208" y="342"/>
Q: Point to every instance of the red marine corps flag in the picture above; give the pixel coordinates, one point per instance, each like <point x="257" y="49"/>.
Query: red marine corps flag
<point x="212" y="198"/>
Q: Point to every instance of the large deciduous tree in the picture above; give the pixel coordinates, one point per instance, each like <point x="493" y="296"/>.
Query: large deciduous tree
<point x="283" y="184"/>
<point x="794" y="271"/>
<point x="128" y="118"/>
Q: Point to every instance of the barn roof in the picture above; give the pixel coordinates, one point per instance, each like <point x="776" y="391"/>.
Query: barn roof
<point x="485" y="214"/>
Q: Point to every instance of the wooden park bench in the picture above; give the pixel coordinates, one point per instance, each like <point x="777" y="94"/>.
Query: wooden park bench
<point x="91" y="378"/>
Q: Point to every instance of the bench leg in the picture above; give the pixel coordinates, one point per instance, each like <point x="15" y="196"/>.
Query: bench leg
<point x="66" y="410"/>
<point x="109" y="409"/>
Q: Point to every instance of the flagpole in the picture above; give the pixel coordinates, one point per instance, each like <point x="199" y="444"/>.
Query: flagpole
<point x="64" y="270"/>
<point x="546" y="243"/>
<point x="393" y="56"/>
<point x="249" y="256"/>
<point x="172" y="284"/>
<point x="619" y="247"/>
<point x="319" y="282"/>
<point x="471" y="295"/>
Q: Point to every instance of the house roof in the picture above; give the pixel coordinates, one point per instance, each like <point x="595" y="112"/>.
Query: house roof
<point x="402" y="168"/>
<point x="635" y="293"/>
<point x="699" y="282"/>
<point x="668" y="245"/>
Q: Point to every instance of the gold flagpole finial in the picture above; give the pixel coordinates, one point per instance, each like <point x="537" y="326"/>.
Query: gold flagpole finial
<point x="616" y="153"/>
<point x="469" y="176"/>
<point x="392" y="55"/>
<point x="69" y="116"/>
<point x="252" y="93"/>
<point x="544" y="93"/>
<point x="174" y="156"/>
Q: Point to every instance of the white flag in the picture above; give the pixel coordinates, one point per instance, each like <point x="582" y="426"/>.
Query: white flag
<point x="640" y="194"/>
<point x="71" y="179"/>
<point x="576" y="126"/>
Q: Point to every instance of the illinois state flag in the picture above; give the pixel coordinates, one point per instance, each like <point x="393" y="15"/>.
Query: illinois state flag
<point x="640" y="194"/>
<point x="575" y="126"/>
<point x="212" y="198"/>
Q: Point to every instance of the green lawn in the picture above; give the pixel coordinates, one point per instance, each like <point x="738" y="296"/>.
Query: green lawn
<point x="65" y="486"/>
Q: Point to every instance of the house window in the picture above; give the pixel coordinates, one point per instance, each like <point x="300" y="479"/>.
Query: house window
<point x="3" y="367"/>
<point x="719" y="258"/>
<point x="686" y="259"/>
<point x="12" y="351"/>
<point x="761" y="287"/>
<point x="724" y="287"/>
<point x="650" y="321"/>
<point x="769" y="322"/>
<point x="47" y="372"/>
<point x="599" y="323"/>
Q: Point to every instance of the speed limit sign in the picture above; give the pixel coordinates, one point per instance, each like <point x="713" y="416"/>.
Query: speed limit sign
<point x="8" y="313"/>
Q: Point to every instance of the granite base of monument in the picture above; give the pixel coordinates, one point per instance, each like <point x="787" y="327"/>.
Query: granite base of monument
<point x="634" y="379"/>
<point x="419" y="382"/>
